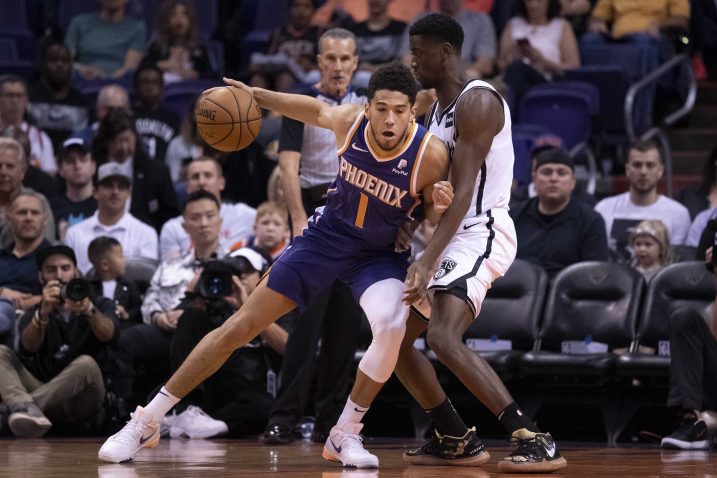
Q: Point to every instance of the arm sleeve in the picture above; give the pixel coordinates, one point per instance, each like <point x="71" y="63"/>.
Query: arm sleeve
<point x="291" y="137"/>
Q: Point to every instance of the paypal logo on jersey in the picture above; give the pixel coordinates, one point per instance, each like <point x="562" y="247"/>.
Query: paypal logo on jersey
<point x="401" y="164"/>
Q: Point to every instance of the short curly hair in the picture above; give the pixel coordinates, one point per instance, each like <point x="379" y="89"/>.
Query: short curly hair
<point x="393" y="77"/>
<point x="439" y="27"/>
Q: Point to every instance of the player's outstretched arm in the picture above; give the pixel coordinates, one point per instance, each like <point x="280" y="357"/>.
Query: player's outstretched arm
<point x="479" y="117"/>
<point x="304" y="108"/>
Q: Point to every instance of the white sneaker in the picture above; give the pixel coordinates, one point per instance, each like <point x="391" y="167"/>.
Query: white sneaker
<point x="194" y="423"/>
<point x="345" y="446"/>
<point x="142" y="431"/>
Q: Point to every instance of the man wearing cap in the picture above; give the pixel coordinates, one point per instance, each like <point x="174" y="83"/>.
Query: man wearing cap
<point x="20" y="287"/>
<point x="13" y="165"/>
<point x="240" y="394"/>
<point x="55" y="378"/>
<point x="151" y="340"/>
<point x="554" y="229"/>
<point x="77" y="167"/>
<point x="112" y="219"/>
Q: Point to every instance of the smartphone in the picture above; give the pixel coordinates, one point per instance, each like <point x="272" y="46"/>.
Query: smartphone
<point x="523" y="42"/>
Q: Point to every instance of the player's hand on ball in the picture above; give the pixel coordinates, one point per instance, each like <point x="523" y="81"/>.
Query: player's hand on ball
<point x="442" y="195"/>
<point x="238" y="84"/>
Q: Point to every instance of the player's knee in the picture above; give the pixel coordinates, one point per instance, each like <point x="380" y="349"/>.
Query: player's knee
<point x="443" y="343"/>
<point x="391" y="326"/>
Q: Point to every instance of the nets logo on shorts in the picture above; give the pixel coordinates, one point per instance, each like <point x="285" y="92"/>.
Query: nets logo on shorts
<point x="446" y="267"/>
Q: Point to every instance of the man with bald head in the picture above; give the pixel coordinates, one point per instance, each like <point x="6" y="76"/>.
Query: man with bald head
<point x="237" y="219"/>
<point x="111" y="97"/>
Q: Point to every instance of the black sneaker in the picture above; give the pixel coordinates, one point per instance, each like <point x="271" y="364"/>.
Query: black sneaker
<point x="535" y="453"/>
<point x="690" y="435"/>
<point x="277" y="434"/>
<point x="467" y="450"/>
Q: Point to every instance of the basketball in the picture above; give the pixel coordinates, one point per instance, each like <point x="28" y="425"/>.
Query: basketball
<point x="228" y="118"/>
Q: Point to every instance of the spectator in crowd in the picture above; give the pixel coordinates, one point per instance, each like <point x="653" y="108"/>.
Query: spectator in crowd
<point x="114" y="186"/>
<point x="693" y="375"/>
<point x="307" y="170"/>
<point x="106" y="44"/>
<point x="554" y="229"/>
<point x="184" y="148"/>
<point x="699" y="226"/>
<point x="35" y="178"/>
<point x="107" y="258"/>
<point x="237" y="219"/>
<point x="344" y="13"/>
<point x="643" y="169"/>
<point x="577" y="12"/>
<point x="641" y="23"/>
<point x="77" y="167"/>
<point x="520" y="194"/>
<point x="13" y="108"/>
<point x="379" y="40"/>
<point x="55" y="377"/>
<point x="177" y="48"/>
<point x="20" y="287"/>
<point x="292" y="52"/>
<point x="150" y="340"/>
<point x="156" y="125"/>
<point x="239" y="396"/>
<point x="479" y="44"/>
<point x="703" y="30"/>
<point x="271" y="230"/>
<point x="12" y="170"/>
<point x="698" y="197"/>
<point x="111" y="97"/>
<point x="55" y="105"/>
<point x="153" y="198"/>
<point x="651" y="249"/>
<point x="536" y="46"/>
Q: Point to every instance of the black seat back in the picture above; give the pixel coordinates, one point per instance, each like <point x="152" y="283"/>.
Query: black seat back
<point x="596" y="299"/>
<point x="513" y="306"/>
<point x="140" y="271"/>
<point x="683" y="284"/>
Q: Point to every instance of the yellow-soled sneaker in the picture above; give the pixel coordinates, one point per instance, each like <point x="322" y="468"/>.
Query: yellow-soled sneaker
<point x="141" y="431"/>
<point x="344" y="445"/>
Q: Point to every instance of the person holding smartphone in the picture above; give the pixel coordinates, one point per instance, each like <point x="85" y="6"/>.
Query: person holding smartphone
<point x="536" y="46"/>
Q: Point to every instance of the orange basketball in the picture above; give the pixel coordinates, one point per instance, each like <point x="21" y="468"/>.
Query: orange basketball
<point x="228" y="118"/>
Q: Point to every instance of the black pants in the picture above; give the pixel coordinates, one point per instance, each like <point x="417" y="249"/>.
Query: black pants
<point x="693" y="369"/>
<point x="145" y="347"/>
<point x="335" y="318"/>
<point x="236" y="393"/>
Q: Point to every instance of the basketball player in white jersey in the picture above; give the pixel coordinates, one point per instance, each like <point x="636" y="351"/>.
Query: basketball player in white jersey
<point x="473" y="245"/>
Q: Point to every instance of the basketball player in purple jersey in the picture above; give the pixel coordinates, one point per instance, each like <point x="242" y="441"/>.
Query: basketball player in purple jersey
<point x="390" y="170"/>
<point x="473" y="245"/>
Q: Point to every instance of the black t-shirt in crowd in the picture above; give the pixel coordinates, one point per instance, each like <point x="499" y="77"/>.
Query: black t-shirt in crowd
<point x="70" y="213"/>
<point x="156" y="128"/>
<point x="58" y="118"/>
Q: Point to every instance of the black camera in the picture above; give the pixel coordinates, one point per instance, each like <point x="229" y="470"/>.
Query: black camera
<point x="215" y="281"/>
<point x="77" y="289"/>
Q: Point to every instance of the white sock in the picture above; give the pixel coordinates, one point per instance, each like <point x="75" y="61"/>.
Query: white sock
<point x="161" y="404"/>
<point x="352" y="414"/>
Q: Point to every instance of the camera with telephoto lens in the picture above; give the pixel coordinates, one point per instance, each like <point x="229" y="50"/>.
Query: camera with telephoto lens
<point x="77" y="290"/>
<point x="215" y="281"/>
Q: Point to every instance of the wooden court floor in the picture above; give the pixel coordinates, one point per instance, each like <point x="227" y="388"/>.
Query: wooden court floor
<point x="77" y="458"/>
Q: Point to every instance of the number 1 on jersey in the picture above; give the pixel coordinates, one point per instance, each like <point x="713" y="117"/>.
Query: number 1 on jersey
<point x="361" y="213"/>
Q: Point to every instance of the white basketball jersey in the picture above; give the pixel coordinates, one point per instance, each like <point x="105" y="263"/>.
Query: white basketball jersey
<point x="492" y="188"/>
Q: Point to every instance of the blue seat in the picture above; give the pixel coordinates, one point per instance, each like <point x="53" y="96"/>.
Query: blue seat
<point x="25" y="43"/>
<point x="586" y="88"/>
<point x="178" y="96"/>
<point x="524" y="135"/>
<point x="8" y="50"/>
<point x="566" y="113"/>
<point x="23" y="68"/>
<point x="14" y="15"/>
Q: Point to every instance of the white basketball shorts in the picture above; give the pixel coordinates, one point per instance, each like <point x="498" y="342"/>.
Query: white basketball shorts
<point x="481" y="251"/>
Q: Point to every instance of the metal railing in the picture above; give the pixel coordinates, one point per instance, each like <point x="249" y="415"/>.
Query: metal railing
<point x="658" y="131"/>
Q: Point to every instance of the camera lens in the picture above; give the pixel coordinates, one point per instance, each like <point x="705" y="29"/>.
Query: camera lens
<point x="216" y="285"/>
<point x="76" y="289"/>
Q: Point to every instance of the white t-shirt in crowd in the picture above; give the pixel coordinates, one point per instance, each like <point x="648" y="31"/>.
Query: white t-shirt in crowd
<point x="237" y="225"/>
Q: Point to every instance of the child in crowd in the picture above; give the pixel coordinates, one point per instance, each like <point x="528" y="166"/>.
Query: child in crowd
<point x="105" y="253"/>
<point x="271" y="230"/>
<point x="651" y="249"/>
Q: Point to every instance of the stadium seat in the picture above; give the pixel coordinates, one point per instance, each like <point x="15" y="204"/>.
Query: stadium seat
<point x="177" y="96"/>
<point x="566" y="113"/>
<point x="14" y="15"/>
<point x="25" y="43"/>
<point x="140" y="271"/>
<point x="511" y="311"/>
<point x="8" y="50"/>
<point x="682" y="253"/>
<point x="524" y="135"/>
